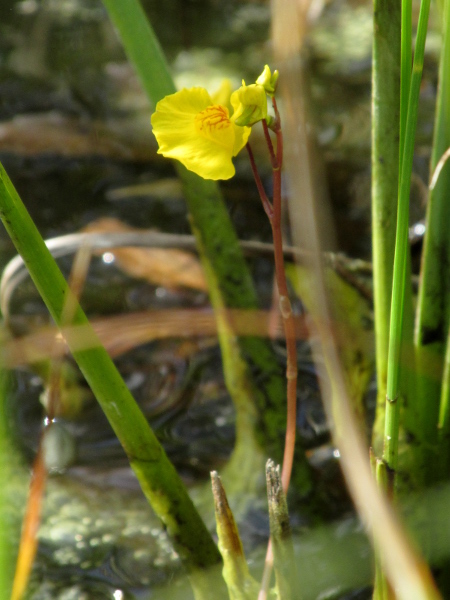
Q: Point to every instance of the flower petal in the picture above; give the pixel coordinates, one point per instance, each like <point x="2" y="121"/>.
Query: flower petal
<point x="208" y="160"/>
<point x="189" y="128"/>
<point x="241" y="137"/>
<point x="222" y="95"/>
<point x="186" y="101"/>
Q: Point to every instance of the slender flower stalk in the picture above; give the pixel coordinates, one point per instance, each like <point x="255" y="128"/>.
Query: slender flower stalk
<point x="273" y="212"/>
<point x="201" y="133"/>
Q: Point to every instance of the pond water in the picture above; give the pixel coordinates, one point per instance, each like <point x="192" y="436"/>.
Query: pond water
<point x="75" y="139"/>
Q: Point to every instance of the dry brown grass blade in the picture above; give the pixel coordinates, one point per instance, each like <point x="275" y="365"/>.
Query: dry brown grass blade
<point x="123" y="332"/>
<point x="406" y="570"/>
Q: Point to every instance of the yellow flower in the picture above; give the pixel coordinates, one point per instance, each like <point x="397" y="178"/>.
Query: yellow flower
<point x="249" y="103"/>
<point x="189" y="127"/>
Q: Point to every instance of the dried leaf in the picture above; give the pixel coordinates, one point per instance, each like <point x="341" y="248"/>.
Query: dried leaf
<point x="168" y="267"/>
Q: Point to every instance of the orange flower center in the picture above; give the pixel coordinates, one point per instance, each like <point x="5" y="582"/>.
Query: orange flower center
<point x="213" y="117"/>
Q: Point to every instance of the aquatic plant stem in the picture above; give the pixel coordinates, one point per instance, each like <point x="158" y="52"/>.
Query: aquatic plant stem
<point x="408" y="383"/>
<point x="390" y="450"/>
<point x="385" y="169"/>
<point x="273" y="212"/>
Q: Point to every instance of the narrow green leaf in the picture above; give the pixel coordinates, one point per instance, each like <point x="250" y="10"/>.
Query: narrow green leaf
<point x="157" y="476"/>
<point x="390" y="453"/>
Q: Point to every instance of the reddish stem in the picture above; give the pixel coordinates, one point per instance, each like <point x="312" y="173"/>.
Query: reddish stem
<point x="289" y="330"/>
<point x="262" y="193"/>
<point x="273" y="212"/>
<point x="286" y="313"/>
<point x="273" y="158"/>
<point x="285" y="305"/>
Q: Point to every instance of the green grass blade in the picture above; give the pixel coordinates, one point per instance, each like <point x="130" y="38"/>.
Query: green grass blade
<point x="390" y="454"/>
<point x="406" y="62"/>
<point x="157" y="476"/>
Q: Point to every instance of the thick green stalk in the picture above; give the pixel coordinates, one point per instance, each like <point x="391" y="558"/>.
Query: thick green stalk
<point x="390" y="452"/>
<point x="433" y="310"/>
<point x="260" y="412"/>
<point x="385" y="157"/>
<point x="156" y="474"/>
<point x="391" y="81"/>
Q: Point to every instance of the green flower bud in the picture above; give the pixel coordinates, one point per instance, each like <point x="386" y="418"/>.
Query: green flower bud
<point x="249" y="103"/>
<point x="268" y="81"/>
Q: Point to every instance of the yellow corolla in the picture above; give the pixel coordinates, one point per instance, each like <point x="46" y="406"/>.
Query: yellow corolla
<point x="191" y="128"/>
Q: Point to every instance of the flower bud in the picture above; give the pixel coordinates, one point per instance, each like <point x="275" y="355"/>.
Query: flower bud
<point x="249" y="103"/>
<point x="268" y="81"/>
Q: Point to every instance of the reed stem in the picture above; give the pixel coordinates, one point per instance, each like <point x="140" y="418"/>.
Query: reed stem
<point x="385" y="168"/>
<point x="390" y="451"/>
